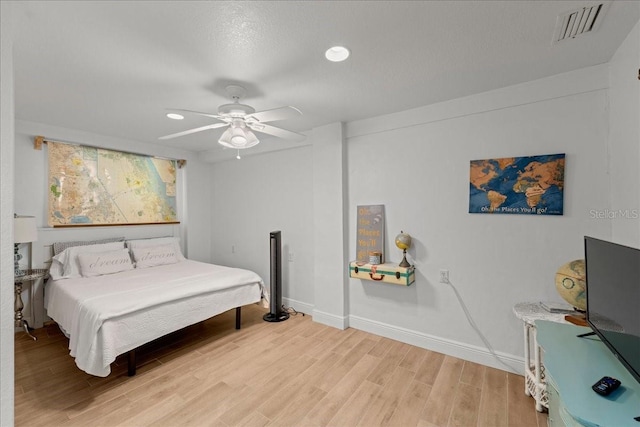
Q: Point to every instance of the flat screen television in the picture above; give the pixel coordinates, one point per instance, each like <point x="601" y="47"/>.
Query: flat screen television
<point x="613" y="298"/>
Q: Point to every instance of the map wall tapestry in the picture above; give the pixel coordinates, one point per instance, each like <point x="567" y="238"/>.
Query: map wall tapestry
<point x="517" y="185"/>
<point x="370" y="232"/>
<point x="93" y="186"/>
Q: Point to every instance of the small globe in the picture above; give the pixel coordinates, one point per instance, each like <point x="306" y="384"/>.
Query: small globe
<point x="403" y="241"/>
<point x="571" y="284"/>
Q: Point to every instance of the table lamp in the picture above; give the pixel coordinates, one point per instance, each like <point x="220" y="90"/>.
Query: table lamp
<point x="24" y="231"/>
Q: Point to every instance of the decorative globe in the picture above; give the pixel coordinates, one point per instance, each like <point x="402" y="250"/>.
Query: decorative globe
<point x="403" y="241"/>
<point x="571" y="284"/>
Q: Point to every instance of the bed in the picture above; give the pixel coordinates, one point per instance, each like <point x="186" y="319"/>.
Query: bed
<point x="107" y="306"/>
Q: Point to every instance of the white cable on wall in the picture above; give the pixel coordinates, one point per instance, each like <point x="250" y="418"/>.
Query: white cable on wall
<point x="475" y="328"/>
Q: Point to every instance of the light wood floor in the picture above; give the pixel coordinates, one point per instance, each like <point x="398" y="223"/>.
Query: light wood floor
<point x="294" y="373"/>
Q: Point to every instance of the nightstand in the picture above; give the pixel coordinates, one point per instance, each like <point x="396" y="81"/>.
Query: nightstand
<point x="29" y="276"/>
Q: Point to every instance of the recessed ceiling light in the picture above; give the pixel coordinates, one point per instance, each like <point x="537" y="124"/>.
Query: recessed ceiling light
<point x="175" y="116"/>
<point x="337" y="53"/>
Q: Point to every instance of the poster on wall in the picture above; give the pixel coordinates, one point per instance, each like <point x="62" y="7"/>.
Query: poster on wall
<point x="370" y="232"/>
<point x="517" y="185"/>
<point x="90" y="186"/>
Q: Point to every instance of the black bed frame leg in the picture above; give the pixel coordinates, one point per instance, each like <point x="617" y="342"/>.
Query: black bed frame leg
<point x="131" y="363"/>
<point x="238" y="317"/>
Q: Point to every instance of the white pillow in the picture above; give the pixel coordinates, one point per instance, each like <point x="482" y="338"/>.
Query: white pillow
<point x="69" y="258"/>
<point x="140" y="243"/>
<point x="151" y="256"/>
<point x="99" y="263"/>
<point x="56" y="269"/>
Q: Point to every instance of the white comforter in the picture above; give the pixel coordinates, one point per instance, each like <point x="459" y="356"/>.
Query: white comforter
<point x="82" y="306"/>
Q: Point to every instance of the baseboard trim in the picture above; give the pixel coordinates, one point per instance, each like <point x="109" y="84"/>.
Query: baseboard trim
<point x="340" y="322"/>
<point x="453" y="348"/>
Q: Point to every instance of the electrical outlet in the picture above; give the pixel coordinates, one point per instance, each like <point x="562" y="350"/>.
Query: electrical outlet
<point x="233" y="249"/>
<point x="444" y="276"/>
<point x="290" y="256"/>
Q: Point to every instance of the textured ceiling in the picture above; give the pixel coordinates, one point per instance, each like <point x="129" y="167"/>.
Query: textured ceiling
<point x="114" y="68"/>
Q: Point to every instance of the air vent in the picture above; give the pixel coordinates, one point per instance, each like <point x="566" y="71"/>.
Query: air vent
<point x="578" y="22"/>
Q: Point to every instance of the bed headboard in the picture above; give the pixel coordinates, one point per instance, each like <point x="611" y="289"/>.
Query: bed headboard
<point x="42" y="250"/>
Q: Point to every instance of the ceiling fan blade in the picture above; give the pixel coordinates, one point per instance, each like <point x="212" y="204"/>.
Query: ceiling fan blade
<point x="190" y="131"/>
<point x="215" y="116"/>
<point x="278" y="132"/>
<point x="281" y="113"/>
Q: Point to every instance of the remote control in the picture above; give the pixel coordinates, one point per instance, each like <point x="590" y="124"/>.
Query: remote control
<point x="605" y="386"/>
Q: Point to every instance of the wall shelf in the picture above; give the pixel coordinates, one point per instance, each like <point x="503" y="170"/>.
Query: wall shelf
<point x="387" y="273"/>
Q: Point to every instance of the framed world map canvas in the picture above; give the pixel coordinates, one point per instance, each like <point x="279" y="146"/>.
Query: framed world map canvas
<point x="517" y="185"/>
<point x="90" y="186"/>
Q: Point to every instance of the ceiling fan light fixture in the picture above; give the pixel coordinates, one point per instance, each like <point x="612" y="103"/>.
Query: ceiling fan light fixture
<point x="238" y="138"/>
<point x="337" y="53"/>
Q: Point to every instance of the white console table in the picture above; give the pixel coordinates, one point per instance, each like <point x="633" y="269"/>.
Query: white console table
<point x="534" y="378"/>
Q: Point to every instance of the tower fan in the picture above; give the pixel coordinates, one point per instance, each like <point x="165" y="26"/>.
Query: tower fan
<point x="276" y="314"/>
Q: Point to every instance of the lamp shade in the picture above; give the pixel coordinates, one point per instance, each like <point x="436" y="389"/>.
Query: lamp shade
<point x="24" y="229"/>
<point x="238" y="136"/>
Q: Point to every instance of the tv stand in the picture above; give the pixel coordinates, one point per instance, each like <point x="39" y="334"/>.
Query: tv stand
<point x="572" y="366"/>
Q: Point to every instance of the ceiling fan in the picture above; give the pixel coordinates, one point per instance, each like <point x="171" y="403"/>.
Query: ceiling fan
<point x="242" y="120"/>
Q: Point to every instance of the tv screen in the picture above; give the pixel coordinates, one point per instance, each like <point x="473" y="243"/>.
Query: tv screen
<point x="613" y="298"/>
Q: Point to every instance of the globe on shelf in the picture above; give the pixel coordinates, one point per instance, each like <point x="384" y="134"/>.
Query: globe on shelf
<point x="571" y="284"/>
<point x="403" y="242"/>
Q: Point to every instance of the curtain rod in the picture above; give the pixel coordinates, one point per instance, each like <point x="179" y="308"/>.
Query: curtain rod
<point x="39" y="140"/>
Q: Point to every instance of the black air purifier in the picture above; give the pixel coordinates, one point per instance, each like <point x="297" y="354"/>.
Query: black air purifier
<point x="276" y="314"/>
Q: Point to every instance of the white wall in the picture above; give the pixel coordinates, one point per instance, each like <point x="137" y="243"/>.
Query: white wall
<point x="260" y="194"/>
<point x="494" y="260"/>
<point x="6" y="215"/>
<point x="329" y="189"/>
<point x="624" y="144"/>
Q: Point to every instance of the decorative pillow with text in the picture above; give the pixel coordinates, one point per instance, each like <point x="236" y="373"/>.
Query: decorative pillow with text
<point x="157" y="241"/>
<point x="68" y="258"/>
<point x="99" y="263"/>
<point x="152" y="256"/>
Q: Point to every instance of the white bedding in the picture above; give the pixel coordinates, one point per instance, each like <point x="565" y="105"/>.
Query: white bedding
<point x="108" y="315"/>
